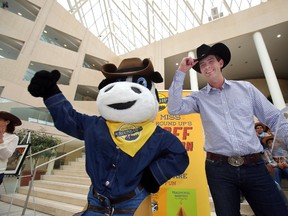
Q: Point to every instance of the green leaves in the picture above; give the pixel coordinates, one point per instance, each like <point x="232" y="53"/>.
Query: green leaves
<point x="39" y="141"/>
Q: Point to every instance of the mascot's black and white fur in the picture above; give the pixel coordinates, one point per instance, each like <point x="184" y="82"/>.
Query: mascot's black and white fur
<point x="129" y="96"/>
<point x="127" y="155"/>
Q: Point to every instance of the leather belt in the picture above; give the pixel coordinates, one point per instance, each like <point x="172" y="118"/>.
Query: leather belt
<point x="112" y="201"/>
<point x="108" y="211"/>
<point x="235" y="160"/>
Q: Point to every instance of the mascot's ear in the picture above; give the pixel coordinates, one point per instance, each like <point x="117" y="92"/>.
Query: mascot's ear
<point x="55" y="75"/>
<point x="156" y="77"/>
<point x="104" y="82"/>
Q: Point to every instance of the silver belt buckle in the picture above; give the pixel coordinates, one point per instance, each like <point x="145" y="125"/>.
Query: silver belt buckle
<point x="236" y="161"/>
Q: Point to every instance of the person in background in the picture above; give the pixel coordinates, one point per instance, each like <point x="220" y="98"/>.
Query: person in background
<point x="271" y="164"/>
<point x="260" y="129"/>
<point x="227" y="109"/>
<point x="8" y="140"/>
<point x="279" y="162"/>
<point x="270" y="132"/>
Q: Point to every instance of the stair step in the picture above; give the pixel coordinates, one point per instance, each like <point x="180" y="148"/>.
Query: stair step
<point x="72" y="167"/>
<point x="81" y="159"/>
<point x="63" y="193"/>
<point x="60" y="196"/>
<point x="66" y="187"/>
<point x="79" y="173"/>
<point x="50" y="207"/>
<point x="76" y="164"/>
<point x="67" y="179"/>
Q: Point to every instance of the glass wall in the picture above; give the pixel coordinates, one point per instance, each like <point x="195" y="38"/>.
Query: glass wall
<point x="9" y="47"/>
<point x="93" y="62"/>
<point x="36" y="66"/>
<point x="61" y="39"/>
<point x="26" y="112"/>
<point x="86" y="93"/>
<point x="23" y="8"/>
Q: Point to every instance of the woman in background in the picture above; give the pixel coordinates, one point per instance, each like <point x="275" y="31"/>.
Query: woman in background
<point x="8" y="140"/>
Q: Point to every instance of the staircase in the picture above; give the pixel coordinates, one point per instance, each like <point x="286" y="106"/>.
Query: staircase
<point x="62" y="193"/>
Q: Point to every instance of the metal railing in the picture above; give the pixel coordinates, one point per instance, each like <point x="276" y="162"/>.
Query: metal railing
<point x="34" y="170"/>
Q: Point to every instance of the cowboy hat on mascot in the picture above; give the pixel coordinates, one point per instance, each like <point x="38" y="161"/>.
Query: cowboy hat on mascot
<point x="127" y="155"/>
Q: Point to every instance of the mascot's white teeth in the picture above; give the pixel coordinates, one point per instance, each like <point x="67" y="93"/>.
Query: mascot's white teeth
<point x="122" y="106"/>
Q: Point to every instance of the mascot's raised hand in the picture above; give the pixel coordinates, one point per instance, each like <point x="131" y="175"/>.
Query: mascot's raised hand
<point x="44" y="84"/>
<point x="128" y="156"/>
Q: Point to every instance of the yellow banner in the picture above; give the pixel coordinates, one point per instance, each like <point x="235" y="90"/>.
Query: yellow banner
<point x="187" y="194"/>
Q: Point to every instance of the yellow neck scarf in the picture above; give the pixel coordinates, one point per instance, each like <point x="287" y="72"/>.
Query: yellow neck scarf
<point x="130" y="137"/>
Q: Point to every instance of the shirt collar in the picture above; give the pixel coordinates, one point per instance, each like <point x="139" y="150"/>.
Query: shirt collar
<point x="209" y="87"/>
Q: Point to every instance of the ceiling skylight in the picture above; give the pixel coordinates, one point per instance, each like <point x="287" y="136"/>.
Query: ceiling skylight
<point x="124" y="25"/>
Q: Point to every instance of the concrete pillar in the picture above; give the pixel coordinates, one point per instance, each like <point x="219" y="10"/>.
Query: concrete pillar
<point x="269" y="72"/>
<point x="193" y="76"/>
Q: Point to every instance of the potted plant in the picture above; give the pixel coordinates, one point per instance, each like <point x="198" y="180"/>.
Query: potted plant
<point x="39" y="141"/>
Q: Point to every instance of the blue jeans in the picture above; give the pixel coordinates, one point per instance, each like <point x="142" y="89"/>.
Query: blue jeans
<point x="132" y="203"/>
<point x="254" y="181"/>
<point x="279" y="174"/>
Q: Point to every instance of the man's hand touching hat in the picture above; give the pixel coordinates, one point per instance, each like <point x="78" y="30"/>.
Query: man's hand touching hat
<point x="186" y="64"/>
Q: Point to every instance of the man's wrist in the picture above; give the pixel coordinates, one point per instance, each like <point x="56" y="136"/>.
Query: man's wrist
<point x="184" y="70"/>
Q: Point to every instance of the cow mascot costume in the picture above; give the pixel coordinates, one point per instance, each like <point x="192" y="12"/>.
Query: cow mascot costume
<point x="127" y="155"/>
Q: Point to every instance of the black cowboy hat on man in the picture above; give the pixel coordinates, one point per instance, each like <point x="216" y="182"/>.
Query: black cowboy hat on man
<point x="218" y="49"/>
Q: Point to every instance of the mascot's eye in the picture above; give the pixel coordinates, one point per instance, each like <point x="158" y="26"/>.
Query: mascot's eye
<point x="108" y="89"/>
<point x="142" y="81"/>
<point x="136" y="90"/>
